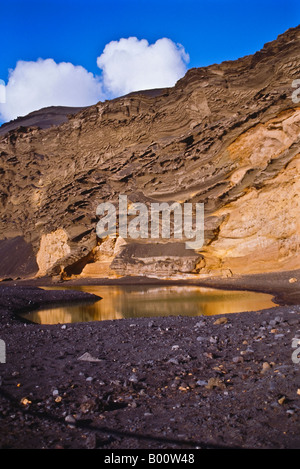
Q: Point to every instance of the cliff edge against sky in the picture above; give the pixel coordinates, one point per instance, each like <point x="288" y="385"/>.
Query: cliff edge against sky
<point x="226" y="135"/>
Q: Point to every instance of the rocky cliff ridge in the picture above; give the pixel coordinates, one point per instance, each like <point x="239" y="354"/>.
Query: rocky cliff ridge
<point x="226" y="135"/>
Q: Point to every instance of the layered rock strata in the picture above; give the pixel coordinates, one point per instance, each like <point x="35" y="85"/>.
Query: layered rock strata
<point x="226" y="135"/>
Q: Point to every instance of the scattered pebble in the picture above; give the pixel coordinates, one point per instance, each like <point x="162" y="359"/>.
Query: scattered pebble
<point x="266" y="367"/>
<point x="221" y="320"/>
<point x="215" y="383"/>
<point x="25" y="401"/>
<point x="293" y="280"/>
<point x="201" y="338"/>
<point x="70" y="419"/>
<point x="201" y="382"/>
<point x="199" y="324"/>
<point x="237" y="359"/>
<point x="133" y="378"/>
<point x="87" y="357"/>
<point x="174" y="361"/>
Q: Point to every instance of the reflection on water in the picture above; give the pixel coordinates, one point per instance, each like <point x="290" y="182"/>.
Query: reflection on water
<point x="147" y="301"/>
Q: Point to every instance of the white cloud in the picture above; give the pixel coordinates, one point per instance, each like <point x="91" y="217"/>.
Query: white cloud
<point x="132" y="65"/>
<point x="34" y="85"/>
<point x="127" y="65"/>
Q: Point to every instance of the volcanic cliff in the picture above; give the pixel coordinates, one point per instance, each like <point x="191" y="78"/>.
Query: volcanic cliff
<point x="226" y="135"/>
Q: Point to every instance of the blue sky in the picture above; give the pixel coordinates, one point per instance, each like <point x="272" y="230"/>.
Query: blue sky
<point x="77" y="31"/>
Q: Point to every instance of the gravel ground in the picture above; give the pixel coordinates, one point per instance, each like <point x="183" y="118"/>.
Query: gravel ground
<point x="172" y="382"/>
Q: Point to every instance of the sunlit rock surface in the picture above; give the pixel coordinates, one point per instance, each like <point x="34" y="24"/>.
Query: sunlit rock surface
<point x="226" y="135"/>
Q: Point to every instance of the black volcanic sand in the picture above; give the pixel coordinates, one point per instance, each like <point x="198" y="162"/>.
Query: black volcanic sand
<point x="159" y="383"/>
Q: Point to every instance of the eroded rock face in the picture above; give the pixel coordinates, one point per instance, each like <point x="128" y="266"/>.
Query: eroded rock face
<point x="53" y="248"/>
<point x="261" y="229"/>
<point x="226" y="135"/>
